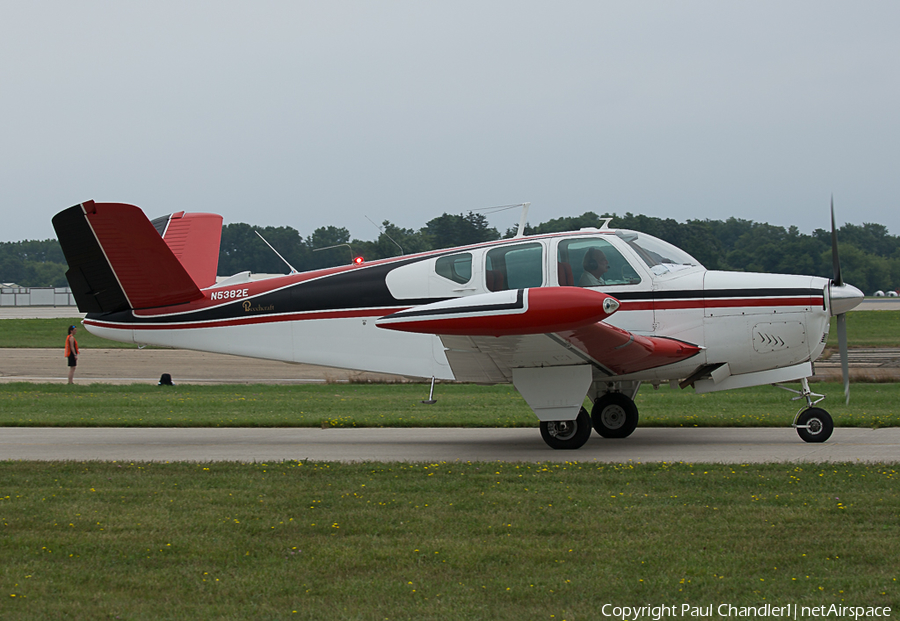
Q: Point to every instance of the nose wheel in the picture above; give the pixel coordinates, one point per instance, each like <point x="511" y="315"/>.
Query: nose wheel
<point x="814" y="425"/>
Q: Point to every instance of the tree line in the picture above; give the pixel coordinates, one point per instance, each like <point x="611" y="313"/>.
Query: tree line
<point x="870" y="256"/>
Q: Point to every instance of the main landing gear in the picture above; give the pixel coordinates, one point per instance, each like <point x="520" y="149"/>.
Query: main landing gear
<point x="614" y="415"/>
<point x="567" y="434"/>
<point x="812" y="424"/>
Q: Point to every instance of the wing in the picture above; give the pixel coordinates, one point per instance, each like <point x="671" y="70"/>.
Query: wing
<point x="489" y="335"/>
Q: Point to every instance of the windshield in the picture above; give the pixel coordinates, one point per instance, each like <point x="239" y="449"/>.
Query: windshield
<point x="661" y="257"/>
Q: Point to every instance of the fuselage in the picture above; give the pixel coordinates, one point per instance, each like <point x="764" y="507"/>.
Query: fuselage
<point x="751" y="322"/>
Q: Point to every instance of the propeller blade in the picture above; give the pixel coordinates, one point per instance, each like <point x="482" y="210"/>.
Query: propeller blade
<point x="835" y="259"/>
<point x="842" y="346"/>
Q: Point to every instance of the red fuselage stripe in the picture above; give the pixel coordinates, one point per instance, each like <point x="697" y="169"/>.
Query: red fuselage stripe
<point x="375" y="313"/>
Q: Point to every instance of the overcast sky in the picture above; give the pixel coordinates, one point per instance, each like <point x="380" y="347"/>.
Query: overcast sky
<point x="322" y="113"/>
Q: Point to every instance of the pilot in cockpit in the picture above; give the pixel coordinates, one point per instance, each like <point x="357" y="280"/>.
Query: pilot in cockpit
<point x="595" y="266"/>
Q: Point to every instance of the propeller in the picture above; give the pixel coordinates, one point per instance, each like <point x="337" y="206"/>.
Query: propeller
<point x="835" y="260"/>
<point x="843" y="298"/>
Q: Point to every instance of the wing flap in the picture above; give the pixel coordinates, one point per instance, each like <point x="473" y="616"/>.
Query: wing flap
<point x="470" y="364"/>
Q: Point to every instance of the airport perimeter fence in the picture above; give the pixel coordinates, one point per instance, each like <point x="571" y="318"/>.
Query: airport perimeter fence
<point x="36" y="296"/>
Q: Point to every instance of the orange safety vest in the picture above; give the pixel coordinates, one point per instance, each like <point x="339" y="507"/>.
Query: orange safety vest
<point x="70" y="341"/>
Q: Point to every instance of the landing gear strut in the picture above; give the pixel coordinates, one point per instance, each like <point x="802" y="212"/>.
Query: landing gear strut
<point x="812" y="424"/>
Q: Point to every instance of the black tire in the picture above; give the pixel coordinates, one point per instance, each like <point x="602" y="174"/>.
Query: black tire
<point x="614" y="415"/>
<point x="815" y="425"/>
<point x="567" y="435"/>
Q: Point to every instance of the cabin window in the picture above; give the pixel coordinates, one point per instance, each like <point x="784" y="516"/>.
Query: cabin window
<point x="593" y="262"/>
<point x="514" y="267"/>
<point x="456" y="267"/>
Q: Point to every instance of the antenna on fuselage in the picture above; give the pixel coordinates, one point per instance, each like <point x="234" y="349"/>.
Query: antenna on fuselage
<point x="293" y="271"/>
<point x="381" y="230"/>
<point x="352" y="258"/>
<point x="521" y="230"/>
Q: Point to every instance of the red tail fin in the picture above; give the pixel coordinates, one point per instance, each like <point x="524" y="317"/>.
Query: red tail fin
<point x="117" y="260"/>
<point x="194" y="239"/>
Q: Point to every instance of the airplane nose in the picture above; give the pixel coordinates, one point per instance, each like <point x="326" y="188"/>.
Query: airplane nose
<point x="844" y="298"/>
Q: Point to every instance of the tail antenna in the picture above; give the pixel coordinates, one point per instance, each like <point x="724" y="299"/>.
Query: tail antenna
<point x="293" y="271"/>
<point x="520" y="232"/>
<point x="383" y="232"/>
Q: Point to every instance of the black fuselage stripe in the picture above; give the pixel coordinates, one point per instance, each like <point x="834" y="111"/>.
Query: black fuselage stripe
<point x="716" y="294"/>
<point x="519" y="304"/>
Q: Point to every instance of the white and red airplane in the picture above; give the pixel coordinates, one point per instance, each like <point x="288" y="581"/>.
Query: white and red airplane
<point x="562" y="316"/>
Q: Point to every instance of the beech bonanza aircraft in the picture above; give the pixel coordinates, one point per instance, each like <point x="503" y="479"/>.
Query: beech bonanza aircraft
<point x="562" y="316"/>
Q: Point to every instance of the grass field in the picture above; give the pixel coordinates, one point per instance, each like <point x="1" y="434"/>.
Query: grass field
<point x="864" y="329"/>
<point x="399" y="405"/>
<point x="297" y="540"/>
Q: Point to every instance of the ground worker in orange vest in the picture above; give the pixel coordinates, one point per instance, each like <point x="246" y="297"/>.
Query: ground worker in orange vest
<point x="71" y="352"/>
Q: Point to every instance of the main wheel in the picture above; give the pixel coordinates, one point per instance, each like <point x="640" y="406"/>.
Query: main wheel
<point x="614" y="415"/>
<point x="567" y="434"/>
<point x="814" y="425"/>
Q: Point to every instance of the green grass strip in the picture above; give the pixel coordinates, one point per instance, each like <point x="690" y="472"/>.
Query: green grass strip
<point x="399" y="405"/>
<point x="313" y="541"/>
<point x="869" y="329"/>
<point x="49" y="333"/>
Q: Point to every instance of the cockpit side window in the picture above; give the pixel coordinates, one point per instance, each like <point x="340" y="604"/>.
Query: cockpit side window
<point x="514" y="267"/>
<point x="593" y="262"/>
<point x="456" y="267"/>
<point x="660" y="256"/>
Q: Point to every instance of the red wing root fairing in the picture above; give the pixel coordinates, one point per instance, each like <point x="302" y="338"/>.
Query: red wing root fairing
<point x="620" y="352"/>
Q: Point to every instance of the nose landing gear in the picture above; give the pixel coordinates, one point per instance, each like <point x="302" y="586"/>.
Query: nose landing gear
<point x="812" y="424"/>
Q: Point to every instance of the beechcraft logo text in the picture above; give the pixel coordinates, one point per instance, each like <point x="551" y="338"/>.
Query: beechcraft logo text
<point x="256" y="309"/>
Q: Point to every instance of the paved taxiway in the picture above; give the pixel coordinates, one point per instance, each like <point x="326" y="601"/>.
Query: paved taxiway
<point x="725" y="445"/>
